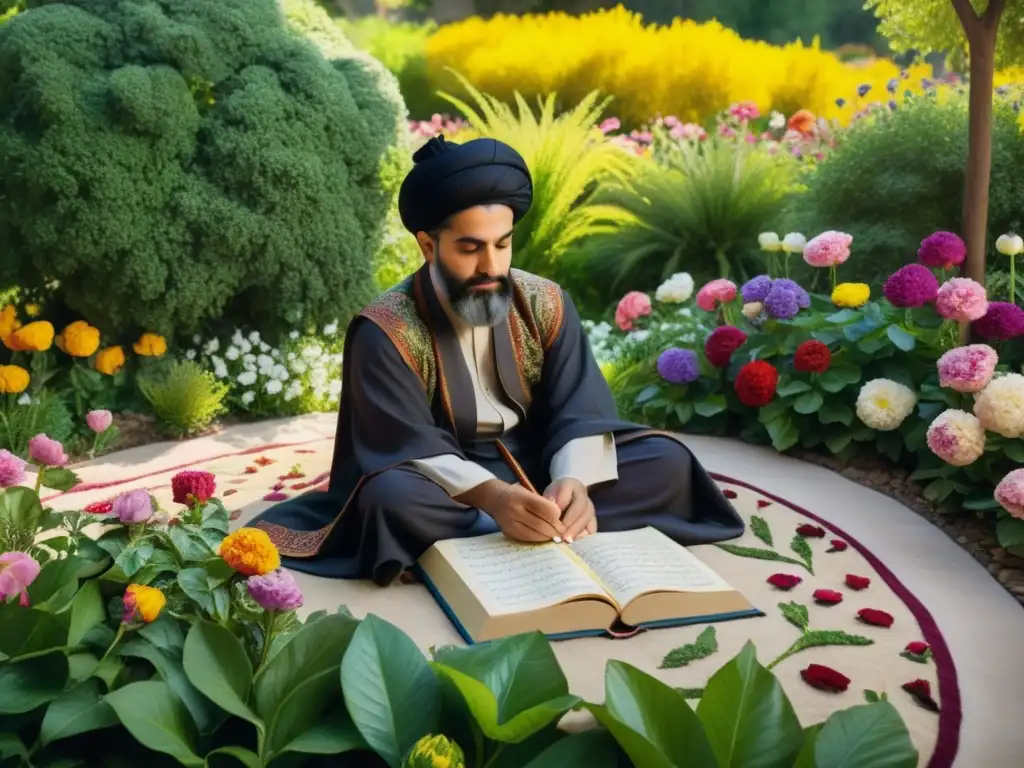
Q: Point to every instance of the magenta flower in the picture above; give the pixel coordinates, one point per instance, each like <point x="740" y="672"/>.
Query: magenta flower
<point x="1001" y="322"/>
<point x="911" y="286"/>
<point x="720" y="291"/>
<point x="49" y="453"/>
<point x="12" y="470"/>
<point x="99" y="421"/>
<point x="961" y="299"/>
<point x="133" y="506"/>
<point x="275" y="591"/>
<point x="609" y="124"/>
<point x="1010" y="493"/>
<point x="942" y="250"/>
<point x="967" y="369"/>
<point x="17" y="571"/>
<point x="829" y="249"/>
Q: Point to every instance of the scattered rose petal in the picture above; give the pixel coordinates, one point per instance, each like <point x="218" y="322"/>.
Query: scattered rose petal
<point x="275" y="496"/>
<point x="263" y="461"/>
<point x="239" y="480"/>
<point x="304" y="450"/>
<point x="825" y="678"/>
<point x="99" y="507"/>
<point x="811" y="531"/>
<point x="229" y="491"/>
<point x="918" y="648"/>
<point x="234" y="514"/>
<point x="827" y="596"/>
<point x="762" y="503"/>
<point x="784" y="581"/>
<point x="875" y="617"/>
<point x="857" y="582"/>
<point x="921" y="690"/>
<point x="277" y="487"/>
<point x="729" y="494"/>
<point x="838" y="545"/>
<point x="251" y="470"/>
<point x="292" y="476"/>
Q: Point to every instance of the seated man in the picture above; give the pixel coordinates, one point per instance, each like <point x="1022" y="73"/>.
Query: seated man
<point x="460" y="355"/>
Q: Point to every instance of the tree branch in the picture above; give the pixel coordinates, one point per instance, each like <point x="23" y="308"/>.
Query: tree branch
<point x="968" y="18"/>
<point x="990" y="20"/>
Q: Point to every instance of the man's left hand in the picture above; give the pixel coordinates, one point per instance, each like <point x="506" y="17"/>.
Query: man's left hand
<point x="578" y="513"/>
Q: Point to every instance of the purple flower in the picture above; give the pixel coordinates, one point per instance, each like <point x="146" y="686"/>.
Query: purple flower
<point x="863" y="89"/>
<point x="48" y="452"/>
<point x="911" y="286"/>
<point x="1002" y="322"/>
<point x="785" y="299"/>
<point x="275" y="591"/>
<point x="756" y="288"/>
<point x="678" y="366"/>
<point x="133" y="506"/>
<point x="12" y="470"/>
<point x="893" y="105"/>
<point x="840" y="102"/>
<point x="942" y="250"/>
<point x="892" y="85"/>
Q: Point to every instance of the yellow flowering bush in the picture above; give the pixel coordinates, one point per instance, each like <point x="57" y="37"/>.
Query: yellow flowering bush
<point x="142" y="603"/>
<point x="851" y="295"/>
<point x="150" y="345"/>
<point x="79" y="339"/>
<point x="250" y="552"/>
<point x="109" y="360"/>
<point x="687" y="69"/>
<point x="13" y="379"/>
<point x="34" y="337"/>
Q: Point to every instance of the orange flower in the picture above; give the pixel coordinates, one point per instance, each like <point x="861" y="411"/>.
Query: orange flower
<point x="250" y="552"/>
<point x="802" y="121"/>
<point x="34" y="337"/>
<point x="13" y="379"/>
<point x="109" y="360"/>
<point x="142" y="603"/>
<point x="150" y="345"/>
<point x="78" y="339"/>
<point x="8" y="321"/>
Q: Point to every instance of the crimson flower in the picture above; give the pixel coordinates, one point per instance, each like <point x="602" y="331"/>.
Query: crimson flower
<point x="722" y="342"/>
<point x="838" y="545"/>
<point x="825" y="678"/>
<point x="857" y="582"/>
<point x="784" y="581"/>
<point x="812" y="357"/>
<point x="875" y="617"/>
<point x="811" y="531"/>
<point x="827" y="596"/>
<point x="917" y="647"/>
<point x="193" y="487"/>
<point x="756" y="383"/>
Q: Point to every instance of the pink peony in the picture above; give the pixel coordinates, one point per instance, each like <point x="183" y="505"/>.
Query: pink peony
<point x="17" y="572"/>
<point x="746" y="110"/>
<point x="633" y="305"/>
<point x="49" y="453"/>
<point x="133" y="506"/>
<point x="961" y="299"/>
<point x="942" y="250"/>
<point x="720" y="291"/>
<point x="828" y="249"/>
<point x="99" y="421"/>
<point x="968" y="369"/>
<point x="957" y="437"/>
<point x="12" y="470"/>
<point x="1010" y="493"/>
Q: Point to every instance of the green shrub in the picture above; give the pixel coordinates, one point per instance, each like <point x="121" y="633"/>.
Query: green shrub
<point x="29" y="416"/>
<point x="218" y="165"/>
<point x="186" y="399"/>
<point x="897" y="177"/>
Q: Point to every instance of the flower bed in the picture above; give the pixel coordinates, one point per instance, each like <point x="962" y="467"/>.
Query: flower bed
<point x="848" y="375"/>
<point x="131" y="630"/>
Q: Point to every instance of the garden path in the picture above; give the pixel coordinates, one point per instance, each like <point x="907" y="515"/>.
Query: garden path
<point x="981" y="622"/>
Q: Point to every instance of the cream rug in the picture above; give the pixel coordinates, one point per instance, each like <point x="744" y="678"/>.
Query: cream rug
<point x="257" y="476"/>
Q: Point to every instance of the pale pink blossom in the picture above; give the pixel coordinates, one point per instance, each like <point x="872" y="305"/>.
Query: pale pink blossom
<point x="609" y="124"/>
<point x="12" y="470"/>
<point x="17" y="571"/>
<point x="690" y="131"/>
<point x="633" y="306"/>
<point x="46" y="451"/>
<point x="99" y="421"/>
<point x="961" y="299"/>
<point x="967" y="369"/>
<point x="828" y="249"/>
<point x="1010" y="493"/>
<point x="720" y="291"/>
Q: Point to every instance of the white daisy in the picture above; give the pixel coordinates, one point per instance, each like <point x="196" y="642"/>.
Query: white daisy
<point x="232" y="353"/>
<point x="273" y="386"/>
<point x="248" y="397"/>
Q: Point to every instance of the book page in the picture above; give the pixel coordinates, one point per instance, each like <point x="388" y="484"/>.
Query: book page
<point x="631" y="563"/>
<point x="513" y="577"/>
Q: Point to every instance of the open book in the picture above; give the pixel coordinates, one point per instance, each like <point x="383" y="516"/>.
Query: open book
<point x="493" y="587"/>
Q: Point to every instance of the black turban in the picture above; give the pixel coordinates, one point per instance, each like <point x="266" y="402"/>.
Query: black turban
<point x="448" y="178"/>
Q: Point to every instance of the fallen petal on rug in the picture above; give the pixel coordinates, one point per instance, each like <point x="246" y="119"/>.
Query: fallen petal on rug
<point x="783" y="581"/>
<point x="827" y="596"/>
<point x="275" y="496"/>
<point x="838" y="545"/>
<point x="825" y="678"/>
<point x="99" y="507"/>
<point x="812" y="531"/>
<point x="729" y="494"/>
<point x="762" y="503"/>
<point x="921" y="690"/>
<point x="918" y="648"/>
<point x="857" y="582"/>
<point x="875" y="617"/>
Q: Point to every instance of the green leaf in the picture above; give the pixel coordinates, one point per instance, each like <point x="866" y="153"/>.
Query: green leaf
<point x="11" y="746"/>
<point x="86" y="611"/>
<point x="189" y="546"/>
<point x="194" y="583"/>
<point x="1010" y="532"/>
<point x="1014" y="451"/>
<point x="747" y="717"/>
<point x="796" y="614"/>
<point x="389" y="689"/>
<point x="793" y="387"/>
<point x="772" y="411"/>
<point x="817" y="638"/>
<point x="759" y="527"/>
<point x="800" y="545"/>
<point x="56" y="585"/>
<point x="165" y="633"/>
<point x="647" y="393"/>
<point x="684" y="412"/>
<point x="832" y="381"/>
<point x="593" y="749"/>
<point x="705" y="644"/>
<point x="806" y="757"/>
<point x="939" y="490"/>
<point x="332" y="733"/>
<point x="76" y="711"/>
<point x="783" y="432"/>
<point x="710" y="405"/>
<point x="690" y="693"/>
<point x="901" y="338"/>
<point x="837" y="443"/>
<point x="133" y="557"/>
<point x="865" y="736"/>
<point x="60" y="479"/>
<point x="30" y="683"/>
<point x="241" y="754"/>
<point x="760" y="554"/>
<point x="843" y="316"/>
<point x="809" y="402"/>
<point x="651" y="721"/>
<point x="20" y="509"/>
<point x="29" y="630"/>
<point x="157" y="720"/>
<point x="216" y="663"/>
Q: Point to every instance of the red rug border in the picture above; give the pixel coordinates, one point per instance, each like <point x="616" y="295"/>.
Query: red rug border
<point x="947" y="744"/>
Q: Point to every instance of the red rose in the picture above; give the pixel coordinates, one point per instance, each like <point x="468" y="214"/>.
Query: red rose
<point x="99" y="508"/>
<point x="729" y="494"/>
<point x="762" y="503"/>
<point x="785" y="581"/>
<point x="825" y="678"/>
<point x="755" y="383"/>
<point x="722" y="342"/>
<point x="192" y="487"/>
<point x="921" y="690"/>
<point x="827" y="596"/>
<point x="838" y="545"/>
<point x="875" y="618"/>
<point x="857" y="582"/>
<point x="812" y="357"/>
<point x="807" y="530"/>
<point x="917" y="648"/>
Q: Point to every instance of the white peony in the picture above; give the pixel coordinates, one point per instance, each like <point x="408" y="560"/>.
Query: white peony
<point x="769" y="241"/>
<point x="1010" y="244"/>
<point x="248" y="397"/>
<point x="638" y="336"/>
<point x="245" y="346"/>
<point x="794" y="242"/>
<point x="265" y="363"/>
<point x="1000" y="406"/>
<point x="237" y="339"/>
<point x="273" y="387"/>
<point x="247" y="378"/>
<point x="883" y="404"/>
<point x="676" y="289"/>
<point x="232" y="353"/>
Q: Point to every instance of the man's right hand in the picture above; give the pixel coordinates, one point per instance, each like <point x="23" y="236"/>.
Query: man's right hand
<point x="520" y="513"/>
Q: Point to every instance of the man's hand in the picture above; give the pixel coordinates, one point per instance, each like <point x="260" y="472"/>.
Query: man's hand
<point x="578" y="513"/>
<point x="521" y="514"/>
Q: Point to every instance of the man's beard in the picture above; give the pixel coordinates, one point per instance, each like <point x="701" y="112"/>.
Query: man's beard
<point x="478" y="308"/>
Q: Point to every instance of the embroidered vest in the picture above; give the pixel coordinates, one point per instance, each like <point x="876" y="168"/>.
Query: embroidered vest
<point x="535" y="318"/>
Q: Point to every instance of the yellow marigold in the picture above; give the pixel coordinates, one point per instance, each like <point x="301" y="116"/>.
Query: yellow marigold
<point x="150" y="345"/>
<point x="79" y="339"/>
<point x="250" y="552"/>
<point x="109" y="360"/>
<point x="13" y="379"/>
<point x="34" y="337"/>
<point x="32" y="310"/>
<point x="8" y="321"/>
<point x="142" y="603"/>
<point x="851" y="295"/>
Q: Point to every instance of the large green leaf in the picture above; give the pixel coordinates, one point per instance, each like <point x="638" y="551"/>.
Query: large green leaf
<point x="217" y="665"/>
<point x="805" y="758"/>
<point x="246" y="757"/>
<point x="747" y="718"/>
<point x="332" y="733"/>
<point x="30" y="683"/>
<point x="513" y="686"/>
<point x="389" y="688"/>
<point x="157" y="719"/>
<point x="11" y="746"/>
<point x="56" y="584"/>
<point x="808" y="402"/>
<point x="866" y="736"/>
<point x="593" y="749"/>
<point x="86" y="611"/>
<point x="76" y="711"/>
<point x="195" y="584"/>
<point x="134" y="557"/>
<point x="20" y="509"/>
<point x="1010" y="532"/>
<point x="29" y="630"/>
<point x="651" y="721"/>
<point x="189" y="546"/>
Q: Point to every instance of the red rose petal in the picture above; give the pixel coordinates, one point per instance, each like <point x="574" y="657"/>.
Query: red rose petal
<point x="277" y="487"/>
<point x="251" y="470"/>
<point x="304" y="450"/>
<point x="917" y="647"/>
<point x="762" y="503"/>
<point x="99" y="508"/>
<point x="875" y="617"/>
<point x="825" y="678"/>
<point x="234" y="514"/>
<point x="275" y="496"/>
<point x="812" y="531"/>
<point x="784" y="581"/>
<point x="729" y="494"/>
<point x="921" y="690"/>
<point x="857" y="582"/>
<point x="229" y="492"/>
<point x="263" y="461"/>
<point x="838" y="545"/>
<point x="827" y="596"/>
